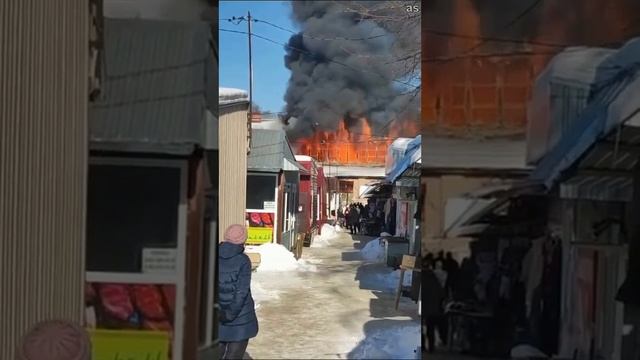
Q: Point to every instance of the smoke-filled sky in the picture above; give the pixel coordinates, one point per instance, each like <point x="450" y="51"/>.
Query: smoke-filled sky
<point x="334" y="77"/>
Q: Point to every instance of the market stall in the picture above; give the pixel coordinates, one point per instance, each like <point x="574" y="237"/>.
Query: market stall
<point x="273" y="180"/>
<point x="148" y="187"/>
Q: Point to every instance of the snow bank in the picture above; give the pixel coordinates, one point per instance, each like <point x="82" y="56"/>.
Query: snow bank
<point x="373" y="251"/>
<point x="275" y="257"/>
<point x="389" y="281"/>
<point x="327" y="235"/>
<point x="328" y="231"/>
<point x="398" y="342"/>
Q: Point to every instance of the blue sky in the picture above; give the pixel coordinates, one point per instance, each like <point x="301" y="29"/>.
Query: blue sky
<point x="270" y="76"/>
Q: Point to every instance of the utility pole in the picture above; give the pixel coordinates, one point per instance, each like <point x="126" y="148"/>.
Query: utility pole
<point x="250" y="65"/>
<point x="250" y="112"/>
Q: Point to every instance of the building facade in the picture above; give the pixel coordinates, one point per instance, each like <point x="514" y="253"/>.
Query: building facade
<point x="43" y="163"/>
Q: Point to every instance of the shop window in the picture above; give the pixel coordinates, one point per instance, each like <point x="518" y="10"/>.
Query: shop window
<point x="260" y="189"/>
<point x="130" y="208"/>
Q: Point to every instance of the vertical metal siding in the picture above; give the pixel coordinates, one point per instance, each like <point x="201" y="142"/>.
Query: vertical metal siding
<point x="233" y="166"/>
<point x="43" y="157"/>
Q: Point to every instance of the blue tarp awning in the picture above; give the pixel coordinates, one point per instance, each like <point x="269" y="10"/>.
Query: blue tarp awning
<point x="412" y="155"/>
<point x="595" y="121"/>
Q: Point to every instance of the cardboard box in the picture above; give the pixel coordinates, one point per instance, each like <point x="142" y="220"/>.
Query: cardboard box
<point x="408" y="262"/>
<point x="255" y="259"/>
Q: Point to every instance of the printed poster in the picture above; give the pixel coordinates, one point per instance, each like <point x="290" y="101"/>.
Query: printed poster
<point x="260" y="227"/>
<point x="131" y="307"/>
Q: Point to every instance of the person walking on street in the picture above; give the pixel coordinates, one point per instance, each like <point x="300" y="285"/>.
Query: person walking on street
<point x="238" y="320"/>
<point x="434" y="310"/>
<point x="354" y="218"/>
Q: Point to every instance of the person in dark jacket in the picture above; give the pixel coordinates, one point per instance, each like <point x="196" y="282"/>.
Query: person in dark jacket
<point x="238" y="320"/>
<point x="434" y="315"/>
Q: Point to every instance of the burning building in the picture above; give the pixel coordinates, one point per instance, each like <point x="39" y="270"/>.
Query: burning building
<point x="481" y="57"/>
<point x="350" y="93"/>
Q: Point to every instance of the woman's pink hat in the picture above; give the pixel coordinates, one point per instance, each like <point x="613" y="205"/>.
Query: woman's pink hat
<point x="236" y="234"/>
<point x="55" y="340"/>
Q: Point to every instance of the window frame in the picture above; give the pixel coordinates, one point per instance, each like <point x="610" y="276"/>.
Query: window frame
<point x="179" y="277"/>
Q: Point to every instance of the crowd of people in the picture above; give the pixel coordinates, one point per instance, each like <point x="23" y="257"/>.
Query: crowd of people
<point x="368" y="219"/>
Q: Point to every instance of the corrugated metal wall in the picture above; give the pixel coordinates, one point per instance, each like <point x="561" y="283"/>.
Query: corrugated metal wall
<point x="233" y="166"/>
<point x="43" y="156"/>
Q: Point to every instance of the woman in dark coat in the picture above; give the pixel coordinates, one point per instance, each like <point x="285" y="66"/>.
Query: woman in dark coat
<point x="434" y="316"/>
<point x="238" y="321"/>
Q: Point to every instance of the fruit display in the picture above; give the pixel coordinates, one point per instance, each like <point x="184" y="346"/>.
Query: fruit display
<point x="256" y="219"/>
<point x="132" y="306"/>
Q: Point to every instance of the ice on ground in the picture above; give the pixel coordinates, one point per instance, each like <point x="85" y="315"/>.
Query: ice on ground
<point x="397" y="342"/>
<point x="373" y="251"/>
<point x="306" y="265"/>
<point x="275" y="257"/>
<point x="260" y="294"/>
<point x="339" y="229"/>
<point x="327" y="235"/>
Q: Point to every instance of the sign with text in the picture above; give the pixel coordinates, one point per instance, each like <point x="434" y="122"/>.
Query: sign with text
<point x="269" y="205"/>
<point x="260" y="228"/>
<point x="162" y="261"/>
<point x="129" y="345"/>
<point x="257" y="235"/>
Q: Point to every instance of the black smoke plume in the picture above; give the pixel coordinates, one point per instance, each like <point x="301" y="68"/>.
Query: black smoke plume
<point x="335" y="78"/>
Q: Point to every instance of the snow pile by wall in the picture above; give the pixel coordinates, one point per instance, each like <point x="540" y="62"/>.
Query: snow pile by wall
<point x="275" y="257"/>
<point x="389" y="281"/>
<point x="327" y="235"/>
<point x="373" y="251"/>
<point x="398" y="342"/>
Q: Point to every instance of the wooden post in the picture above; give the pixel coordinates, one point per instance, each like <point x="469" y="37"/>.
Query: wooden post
<point x="399" y="292"/>
<point x="408" y="263"/>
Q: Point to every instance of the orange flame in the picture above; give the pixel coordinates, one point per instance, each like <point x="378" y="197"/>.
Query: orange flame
<point x="353" y="146"/>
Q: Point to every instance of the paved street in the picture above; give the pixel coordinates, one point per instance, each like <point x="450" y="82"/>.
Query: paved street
<point x="325" y="314"/>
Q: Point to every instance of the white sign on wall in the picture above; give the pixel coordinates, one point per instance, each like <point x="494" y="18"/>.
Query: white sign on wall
<point x="159" y="261"/>
<point x="269" y="205"/>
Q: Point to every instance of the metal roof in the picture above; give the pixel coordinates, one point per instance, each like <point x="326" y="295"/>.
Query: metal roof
<point x="468" y="154"/>
<point x="159" y="82"/>
<point x="353" y="172"/>
<point x="611" y="111"/>
<point x="271" y="152"/>
<point x="411" y="154"/>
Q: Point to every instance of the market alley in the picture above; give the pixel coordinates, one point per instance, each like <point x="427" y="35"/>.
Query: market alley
<point x="336" y="306"/>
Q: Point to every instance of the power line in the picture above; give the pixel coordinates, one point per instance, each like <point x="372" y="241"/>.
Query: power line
<point x="520" y="16"/>
<point x="489" y="55"/>
<point x="494" y="39"/>
<point x="319" y="38"/>
<point x="311" y="54"/>
<point x="242" y="18"/>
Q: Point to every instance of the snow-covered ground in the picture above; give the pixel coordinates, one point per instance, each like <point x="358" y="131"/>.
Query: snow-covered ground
<point x="329" y="313"/>
<point x="275" y="257"/>
<point x="260" y="294"/>
<point x="397" y="342"/>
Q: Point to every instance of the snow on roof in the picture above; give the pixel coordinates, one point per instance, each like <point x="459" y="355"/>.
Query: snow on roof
<point x="231" y="95"/>
<point x="304" y="158"/>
